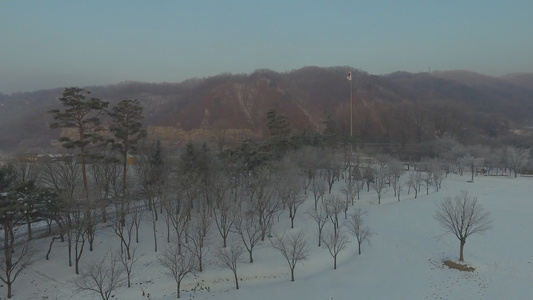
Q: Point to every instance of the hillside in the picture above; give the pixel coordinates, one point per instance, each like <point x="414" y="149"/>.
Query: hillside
<point x="484" y="106"/>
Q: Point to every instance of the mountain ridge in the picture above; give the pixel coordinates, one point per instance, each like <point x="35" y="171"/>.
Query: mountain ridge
<point x="307" y="96"/>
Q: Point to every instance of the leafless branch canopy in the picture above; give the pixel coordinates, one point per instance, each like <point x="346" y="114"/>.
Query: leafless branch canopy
<point x="463" y="216"/>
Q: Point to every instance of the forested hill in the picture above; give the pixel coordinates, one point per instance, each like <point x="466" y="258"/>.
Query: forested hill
<point x="398" y="108"/>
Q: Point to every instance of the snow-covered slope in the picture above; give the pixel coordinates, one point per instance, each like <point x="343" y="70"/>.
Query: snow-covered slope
<point x="403" y="260"/>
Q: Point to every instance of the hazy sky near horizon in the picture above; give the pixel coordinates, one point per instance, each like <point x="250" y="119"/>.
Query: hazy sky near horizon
<point x="48" y="44"/>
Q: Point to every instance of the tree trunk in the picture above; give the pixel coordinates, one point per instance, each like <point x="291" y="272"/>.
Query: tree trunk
<point x="50" y="247"/>
<point x="155" y="236"/>
<point x="251" y="257"/>
<point x="168" y="231"/>
<point x="28" y="222"/>
<point x="104" y="213"/>
<point x="236" y="280"/>
<point x="83" y="168"/>
<point x="9" y="290"/>
<point x="292" y="274"/>
<point x="178" y="289"/>
<point x="90" y="238"/>
<point x="69" y="251"/>
<point x="137" y="232"/>
<point x="461" y="247"/>
<point x="8" y="255"/>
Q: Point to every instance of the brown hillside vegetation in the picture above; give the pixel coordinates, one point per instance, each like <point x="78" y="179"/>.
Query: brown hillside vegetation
<point x="396" y="108"/>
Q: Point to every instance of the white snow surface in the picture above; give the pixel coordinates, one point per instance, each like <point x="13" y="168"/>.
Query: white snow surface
<point x="403" y="260"/>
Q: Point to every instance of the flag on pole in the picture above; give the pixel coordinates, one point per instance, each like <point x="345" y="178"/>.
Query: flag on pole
<point x="349" y="76"/>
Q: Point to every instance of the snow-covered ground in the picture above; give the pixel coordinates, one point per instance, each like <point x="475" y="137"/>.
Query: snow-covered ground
<point x="403" y="260"/>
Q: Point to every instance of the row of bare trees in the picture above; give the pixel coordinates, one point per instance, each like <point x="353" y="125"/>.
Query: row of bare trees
<point x="243" y="203"/>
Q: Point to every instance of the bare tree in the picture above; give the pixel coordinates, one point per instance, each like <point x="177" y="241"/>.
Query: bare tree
<point x="178" y="213"/>
<point x="151" y="166"/>
<point x="137" y="216"/>
<point x="12" y="262"/>
<point x="262" y="200"/>
<point x="289" y="186"/>
<point x="12" y="194"/>
<point x="197" y="234"/>
<point x="79" y="232"/>
<point x="427" y="180"/>
<point x="437" y="175"/>
<point x="106" y="178"/>
<point x="471" y="163"/>
<point x="414" y="182"/>
<point x="349" y="191"/>
<point x="177" y="265"/>
<point x="247" y="226"/>
<point x="228" y="258"/>
<point x="63" y="176"/>
<point x="463" y="216"/>
<point x="334" y="206"/>
<point x="102" y="277"/>
<point x="399" y="189"/>
<point x="308" y="158"/>
<point x="320" y="217"/>
<point x="330" y="169"/>
<point x="318" y="188"/>
<point x="379" y="185"/>
<point x="124" y="232"/>
<point x="224" y="218"/>
<point x="224" y="208"/>
<point x="355" y="226"/>
<point x="293" y="247"/>
<point x="368" y="177"/>
<point x="516" y="158"/>
<point x="395" y="172"/>
<point x="335" y="241"/>
<point x="153" y="217"/>
<point x="128" y="261"/>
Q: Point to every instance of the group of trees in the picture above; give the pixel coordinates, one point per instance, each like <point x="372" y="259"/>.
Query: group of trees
<point x="240" y="191"/>
<point x="67" y="190"/>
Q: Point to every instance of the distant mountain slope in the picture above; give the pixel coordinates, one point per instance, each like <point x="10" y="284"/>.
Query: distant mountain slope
<point x="307" y="96"/>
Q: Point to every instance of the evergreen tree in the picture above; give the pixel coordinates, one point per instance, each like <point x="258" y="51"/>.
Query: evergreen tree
<point x="127" y="130"/>
<point x="279" y="141"/>
<point x="83" y="115"/>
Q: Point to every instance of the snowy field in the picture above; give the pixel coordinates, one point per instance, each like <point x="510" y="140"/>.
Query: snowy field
<point x="403" y="260"/>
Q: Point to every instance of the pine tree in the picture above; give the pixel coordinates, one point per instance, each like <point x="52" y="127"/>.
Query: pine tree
<point x="280" y="131"/>
<point x="127" y="131"/>
<point x="83" y="115"/>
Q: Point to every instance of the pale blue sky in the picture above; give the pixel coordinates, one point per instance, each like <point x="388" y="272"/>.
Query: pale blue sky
<point x="47" y="44"/>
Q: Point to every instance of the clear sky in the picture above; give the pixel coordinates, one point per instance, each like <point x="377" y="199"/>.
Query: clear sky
<point x="47" y="44"/>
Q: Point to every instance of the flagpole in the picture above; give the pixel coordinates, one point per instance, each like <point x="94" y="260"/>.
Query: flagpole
<point x="351" y="110"/>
